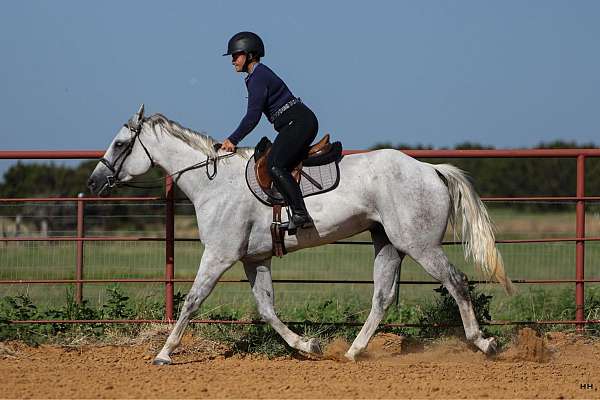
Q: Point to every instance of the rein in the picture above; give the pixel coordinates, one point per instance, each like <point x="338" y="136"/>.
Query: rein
<point x="113" y="180"/>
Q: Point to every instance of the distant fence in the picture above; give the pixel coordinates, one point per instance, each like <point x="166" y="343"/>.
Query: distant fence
<point x="168" y="202"/>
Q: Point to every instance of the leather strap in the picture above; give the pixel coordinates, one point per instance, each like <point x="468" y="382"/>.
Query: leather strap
<point x="277" y="233"/>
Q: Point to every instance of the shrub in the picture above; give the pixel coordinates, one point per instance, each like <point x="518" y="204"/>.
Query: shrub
<point x="443" y="316"/>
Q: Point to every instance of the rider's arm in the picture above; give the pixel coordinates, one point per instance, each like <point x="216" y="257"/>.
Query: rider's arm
<point x="257" y="97"/>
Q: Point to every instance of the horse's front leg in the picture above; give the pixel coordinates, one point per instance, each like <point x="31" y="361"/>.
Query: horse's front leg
<point x="212" y="266"/>
<point x="259" y="275"/>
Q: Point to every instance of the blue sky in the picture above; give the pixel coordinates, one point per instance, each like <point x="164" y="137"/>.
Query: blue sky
<point x="507" y="73"/>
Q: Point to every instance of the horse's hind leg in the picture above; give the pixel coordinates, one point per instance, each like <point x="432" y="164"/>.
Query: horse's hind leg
<point x="387" y="262"/>
<point x="259" y="275"/>
<point x="436" y="263"/>
<point x="212" y="266"/>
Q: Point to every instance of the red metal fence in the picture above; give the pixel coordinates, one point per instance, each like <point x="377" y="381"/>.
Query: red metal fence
<point x="169" y="239"/>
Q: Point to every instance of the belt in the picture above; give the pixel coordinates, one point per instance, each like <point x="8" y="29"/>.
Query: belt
<point x="284" y="108"/>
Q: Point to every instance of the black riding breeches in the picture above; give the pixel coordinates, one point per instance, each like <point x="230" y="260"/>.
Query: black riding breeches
<point x="297" y="129"/>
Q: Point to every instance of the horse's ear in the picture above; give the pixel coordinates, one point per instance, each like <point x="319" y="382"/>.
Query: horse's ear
<point x="136" y="120"/>
<point x="139" y="116"/>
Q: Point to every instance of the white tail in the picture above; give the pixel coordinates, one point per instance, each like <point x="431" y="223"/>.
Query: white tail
<point x="477" y="233"/>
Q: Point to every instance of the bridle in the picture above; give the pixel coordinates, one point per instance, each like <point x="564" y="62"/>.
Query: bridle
<point x="135" y="130"/>
<point x="113" y="180"/>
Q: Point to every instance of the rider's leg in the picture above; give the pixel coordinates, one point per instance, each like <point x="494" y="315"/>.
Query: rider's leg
<point x="297" y="129"/>
<point x="292" y="195"/>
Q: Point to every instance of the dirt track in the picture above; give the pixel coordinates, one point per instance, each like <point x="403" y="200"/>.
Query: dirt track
<point x="391" y="369"/>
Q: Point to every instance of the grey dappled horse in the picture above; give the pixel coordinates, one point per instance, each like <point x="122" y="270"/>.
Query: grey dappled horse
<point x="403" y="202"/>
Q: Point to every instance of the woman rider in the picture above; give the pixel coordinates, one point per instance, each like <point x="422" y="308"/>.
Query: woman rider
<point x="295" y="123"/>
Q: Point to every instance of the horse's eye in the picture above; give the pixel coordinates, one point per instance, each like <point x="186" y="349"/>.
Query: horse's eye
<point x="118" y="144"/>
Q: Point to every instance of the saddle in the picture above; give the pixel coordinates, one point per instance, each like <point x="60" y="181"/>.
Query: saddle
<point x="317" y="173"/>
<point x="321" y="153"/>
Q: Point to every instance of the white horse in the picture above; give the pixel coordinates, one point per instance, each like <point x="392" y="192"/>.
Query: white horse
<point x="403" y="202"/>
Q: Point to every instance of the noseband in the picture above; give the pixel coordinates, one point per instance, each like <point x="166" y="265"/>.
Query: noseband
<point x="113" y="180"/>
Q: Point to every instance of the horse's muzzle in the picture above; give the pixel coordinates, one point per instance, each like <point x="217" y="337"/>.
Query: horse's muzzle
<point x="98" y="188"/>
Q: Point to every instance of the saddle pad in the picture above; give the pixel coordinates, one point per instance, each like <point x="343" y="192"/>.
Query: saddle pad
<point x="328" y="176"/>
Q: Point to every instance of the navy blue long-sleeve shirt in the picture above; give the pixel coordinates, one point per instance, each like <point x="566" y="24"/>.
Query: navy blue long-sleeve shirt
<point x="267" y="93"/>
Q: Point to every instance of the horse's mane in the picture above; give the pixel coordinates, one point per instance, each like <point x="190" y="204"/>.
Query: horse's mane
<point x="195" y="140"/>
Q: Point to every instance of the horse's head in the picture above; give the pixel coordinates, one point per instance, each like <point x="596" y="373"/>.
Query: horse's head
<point x="125" y="158"/>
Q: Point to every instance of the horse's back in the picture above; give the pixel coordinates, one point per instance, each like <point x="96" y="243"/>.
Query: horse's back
<point x="392" y="167"/>
<point x="405" y="192"/>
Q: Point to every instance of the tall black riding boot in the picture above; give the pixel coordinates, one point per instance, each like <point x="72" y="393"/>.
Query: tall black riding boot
<point x="287" y="186"/>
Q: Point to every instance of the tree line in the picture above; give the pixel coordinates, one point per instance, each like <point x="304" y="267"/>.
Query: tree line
<point x="506" y="177"/>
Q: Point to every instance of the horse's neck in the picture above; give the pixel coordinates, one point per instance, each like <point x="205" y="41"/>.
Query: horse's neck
<point x="173" y="155"/>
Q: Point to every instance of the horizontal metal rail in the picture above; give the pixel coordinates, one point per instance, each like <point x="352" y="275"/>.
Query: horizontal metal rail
<point x="162" y="199"/>
<point x="493" y="153"/>
<point x="475" y="153"/>
<point x="162" y="239"/>
<point x="259" y="322"/>
<point x="75" y="199"/>
<point x="292" y="281"/>
<point x="50" y="154"/>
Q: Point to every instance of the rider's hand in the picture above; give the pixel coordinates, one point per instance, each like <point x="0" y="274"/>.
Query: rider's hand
<point x="228" y="146"/>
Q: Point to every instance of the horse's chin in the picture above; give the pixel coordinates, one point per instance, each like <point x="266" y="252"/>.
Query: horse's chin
<point x="106" y="188"/>
<point x="103" y="191"/>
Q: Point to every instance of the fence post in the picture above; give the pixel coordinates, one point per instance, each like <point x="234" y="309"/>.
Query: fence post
<point x="169" y="247"/>
<point x="80" y="243"/>
<point x="398" y="286"/>
<point x="580" y="245"/>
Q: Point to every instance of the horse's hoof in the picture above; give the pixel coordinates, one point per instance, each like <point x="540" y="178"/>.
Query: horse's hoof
<point x="314" y="347"/>
<point x="488" y="346"/>
<point x="160" y="361"/>
<point x="350" y="357"/>
<point x="492" y="347"/>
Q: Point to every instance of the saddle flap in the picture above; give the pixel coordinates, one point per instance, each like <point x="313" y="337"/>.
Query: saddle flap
<point x="261" y="147"/>
<point x="262" y="172"/>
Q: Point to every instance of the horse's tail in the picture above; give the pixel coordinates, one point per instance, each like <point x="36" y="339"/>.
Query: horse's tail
<point x="477" y="233"/>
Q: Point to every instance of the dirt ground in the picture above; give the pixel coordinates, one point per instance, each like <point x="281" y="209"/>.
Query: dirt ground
<point x="555" y="366"/>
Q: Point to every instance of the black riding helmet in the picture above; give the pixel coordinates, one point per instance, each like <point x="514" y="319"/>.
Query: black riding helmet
<point x="247" y="42"/>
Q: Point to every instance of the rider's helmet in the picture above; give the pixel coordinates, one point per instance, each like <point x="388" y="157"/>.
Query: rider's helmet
<point x="247" y="42"/>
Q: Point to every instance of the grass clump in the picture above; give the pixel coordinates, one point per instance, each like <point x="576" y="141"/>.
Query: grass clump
<point x="21" y="308"/>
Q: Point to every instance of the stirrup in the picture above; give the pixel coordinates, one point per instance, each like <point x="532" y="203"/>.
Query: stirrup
<point x="292" y="228"/>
